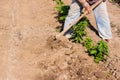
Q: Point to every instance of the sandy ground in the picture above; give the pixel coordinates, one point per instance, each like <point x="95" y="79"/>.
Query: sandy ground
<point x="25" y="26"/>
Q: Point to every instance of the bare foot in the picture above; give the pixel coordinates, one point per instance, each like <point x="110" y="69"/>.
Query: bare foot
<point x="110" y="42"/>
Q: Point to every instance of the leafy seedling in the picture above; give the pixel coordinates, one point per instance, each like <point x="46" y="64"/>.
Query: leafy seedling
<point x="99" y="52"/>
<point x="88" y="43"/>
<point x="62" y="10"/>
<point x="79" y="30"/>
<point x="102" y="51"/>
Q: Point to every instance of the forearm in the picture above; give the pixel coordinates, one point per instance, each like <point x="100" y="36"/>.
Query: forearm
<point x="85" y="5"/>
<point x="83" y="2"/>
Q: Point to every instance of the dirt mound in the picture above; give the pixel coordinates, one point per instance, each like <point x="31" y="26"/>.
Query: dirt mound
<point x="28" y="53"/>
<point x="56" y="43"/>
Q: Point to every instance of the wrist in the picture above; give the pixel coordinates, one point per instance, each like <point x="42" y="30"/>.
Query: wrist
<point x="85" y="4"/>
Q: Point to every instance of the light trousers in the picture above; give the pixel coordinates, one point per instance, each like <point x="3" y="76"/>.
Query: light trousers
<point x="101" y="17"/>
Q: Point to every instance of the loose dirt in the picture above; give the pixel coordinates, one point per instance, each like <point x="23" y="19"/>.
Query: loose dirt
<point x="55" y="43"/>
<point x="27" y="52"/>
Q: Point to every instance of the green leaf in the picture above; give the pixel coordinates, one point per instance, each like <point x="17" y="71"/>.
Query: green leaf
<point x="88" y="43"/>
<point x="92" y="52"/>
<point x="59" y="2"/>
<point x="97" y="59"/>
<point x="62" y="18"/>
<point x="103" y="47"/>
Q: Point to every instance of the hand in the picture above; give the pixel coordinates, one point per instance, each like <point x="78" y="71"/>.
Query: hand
<point x="87" y="8"/>
<point x="104" y="0"/>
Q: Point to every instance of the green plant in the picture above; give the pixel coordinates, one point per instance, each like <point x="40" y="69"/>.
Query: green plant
<point x="59" y="2"/>
<point x="79" y="30"/>
<point x="102" y="51"/>
<point x="62" y="10"/>
<point x="88" y="43"/>
<point x="99" y="51"/>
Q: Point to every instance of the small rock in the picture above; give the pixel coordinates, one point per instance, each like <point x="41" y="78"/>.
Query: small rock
<point x="63" y="66"/>
<point x="99" y="74"/>
<point x="62" y="76"/>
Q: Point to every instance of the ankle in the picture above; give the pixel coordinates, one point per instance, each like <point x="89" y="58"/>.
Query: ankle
<point x="108" y="40"/>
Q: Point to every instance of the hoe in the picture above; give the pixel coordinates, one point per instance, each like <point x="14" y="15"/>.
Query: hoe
<point x="60" y="35"/>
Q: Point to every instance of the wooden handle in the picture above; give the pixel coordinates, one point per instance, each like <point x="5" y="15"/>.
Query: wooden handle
<point x="66" y="29"/>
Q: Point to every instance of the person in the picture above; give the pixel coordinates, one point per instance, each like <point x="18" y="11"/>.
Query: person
<point x="101" y="17"/>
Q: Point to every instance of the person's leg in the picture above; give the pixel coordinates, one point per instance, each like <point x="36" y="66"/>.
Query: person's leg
<point x="103" y="22"/>
<point x="73" y="14"/>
